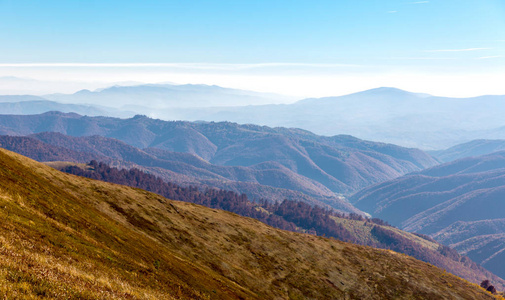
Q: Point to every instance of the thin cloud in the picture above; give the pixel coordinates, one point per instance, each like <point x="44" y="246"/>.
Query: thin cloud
<point x="491" y="57"/>
<point x="420" y="2"/>
<point x="200" y="66"/>
<point x="392" y="12"/>
<point x="422" y="58"/>
<point x="458" y="50"/>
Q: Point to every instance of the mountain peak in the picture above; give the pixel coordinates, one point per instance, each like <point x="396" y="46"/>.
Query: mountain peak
<point x="59" y="113"/>
<point x="385" y="90"/>
<point x="392" y="91"/>
<point x="83" y="92"/>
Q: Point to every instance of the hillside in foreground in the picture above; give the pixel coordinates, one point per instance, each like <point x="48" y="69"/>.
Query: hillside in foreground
<point x="67" y="237"/>
<point x="296" y="216"/>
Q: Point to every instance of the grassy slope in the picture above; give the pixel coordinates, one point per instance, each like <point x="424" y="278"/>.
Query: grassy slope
<point x="63" y="236"/>
<point x="363" y="232"/>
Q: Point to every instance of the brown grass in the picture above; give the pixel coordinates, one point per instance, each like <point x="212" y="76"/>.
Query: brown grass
<point x="67" y="237"/>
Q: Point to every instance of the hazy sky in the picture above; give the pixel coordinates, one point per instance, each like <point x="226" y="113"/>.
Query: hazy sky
<point x="306" y="48"/>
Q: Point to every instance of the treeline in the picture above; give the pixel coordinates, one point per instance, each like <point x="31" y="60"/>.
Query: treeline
<point x="314" y="218"/>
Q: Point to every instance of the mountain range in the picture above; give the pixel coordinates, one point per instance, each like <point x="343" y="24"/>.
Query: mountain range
<point x="65" y="236"/>
<point x="280" y="157"/>
<point x="163" y="96"/>
<point x="472" y="148"/>
<point x="459" y="203"/>
<point x="34" y="106"/>
<point x="383" y="114"/>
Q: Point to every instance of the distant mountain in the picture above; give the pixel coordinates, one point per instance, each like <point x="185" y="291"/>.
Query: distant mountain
<point x="156" y="96"/>
<point x="30" y="104"/>
<point x="456" y="202"/>
<point x="26" y="107"/>
<point x="69" y="237"/>
<point x="20" y="98"/>
<point x="383" y="114"/>
<point x="340" y="164"/>
<point x="472" y="148"/>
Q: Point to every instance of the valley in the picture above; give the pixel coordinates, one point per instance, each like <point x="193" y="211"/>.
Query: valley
<point x="458" y="203"/>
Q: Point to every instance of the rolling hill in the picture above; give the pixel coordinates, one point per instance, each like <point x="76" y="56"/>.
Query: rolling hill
<point x="68" y="237"/>
<point x="472" y="148"/>
<point x="342" y="164"/>
<point x="459" y="203"/>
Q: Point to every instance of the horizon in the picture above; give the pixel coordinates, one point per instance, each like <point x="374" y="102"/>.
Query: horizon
<point x="31" y="86"/>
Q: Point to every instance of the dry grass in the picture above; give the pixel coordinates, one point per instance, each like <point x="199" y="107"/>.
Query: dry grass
<point x="62" y="164"/>
<point x="363" y="232"/>
<point x="67" y="237"/>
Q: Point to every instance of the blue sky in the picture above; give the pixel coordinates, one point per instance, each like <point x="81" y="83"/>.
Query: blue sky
<point x="274" y="38"/>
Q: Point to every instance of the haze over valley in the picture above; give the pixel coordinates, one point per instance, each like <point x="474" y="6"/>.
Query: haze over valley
<point x="383" y="114"/>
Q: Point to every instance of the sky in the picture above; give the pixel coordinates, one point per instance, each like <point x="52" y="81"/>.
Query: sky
<point x="300" y="48"/>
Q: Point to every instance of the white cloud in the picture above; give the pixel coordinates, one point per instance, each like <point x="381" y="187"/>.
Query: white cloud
<point x="300" y="80"/>
<point x="422" y="58"/>
<point x="392" y="12"/>
<point x="198" y="66"/>
<point x="458" y="50"/>
<point x="491" y="57"/>
<point x="420" y="2"/>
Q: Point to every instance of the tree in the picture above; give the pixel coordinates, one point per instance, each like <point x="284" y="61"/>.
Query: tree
<point x="491" y="289"/>
<point x="485" y="284"/>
